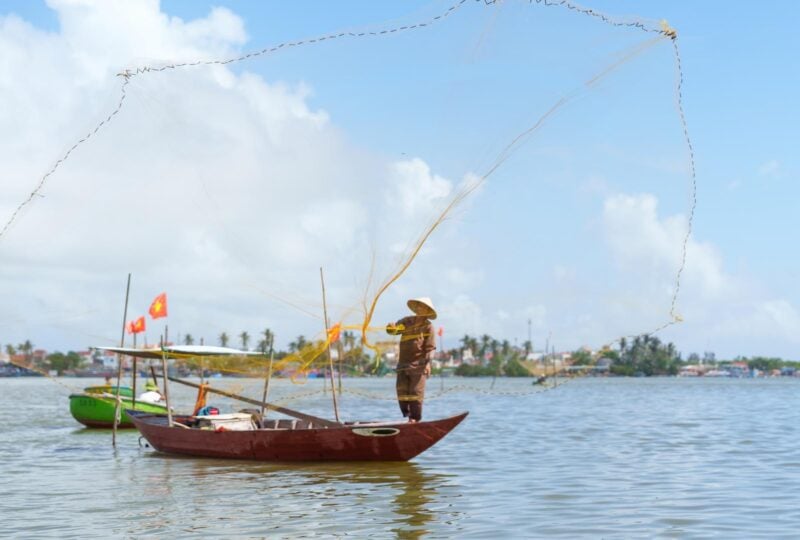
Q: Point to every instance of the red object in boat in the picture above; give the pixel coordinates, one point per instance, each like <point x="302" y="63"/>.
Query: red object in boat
<point x="296" y="440"/>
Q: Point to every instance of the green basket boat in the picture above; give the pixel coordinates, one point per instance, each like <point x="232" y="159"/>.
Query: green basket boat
<point x="94" y="408"/>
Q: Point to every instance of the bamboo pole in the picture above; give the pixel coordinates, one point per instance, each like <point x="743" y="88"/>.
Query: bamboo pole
<point x="164" y="374"/>
<point x="266" y="387"/>
<point x="340" y="351"/>
<point x="269" y="376"/>
<point x="441" y="362"/>
<point x="133" y="375"/>
<point x="119" y="363"/>
<point x="330" y="358"/>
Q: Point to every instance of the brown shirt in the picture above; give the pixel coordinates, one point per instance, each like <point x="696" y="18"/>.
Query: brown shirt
<point x="417" y="341"/>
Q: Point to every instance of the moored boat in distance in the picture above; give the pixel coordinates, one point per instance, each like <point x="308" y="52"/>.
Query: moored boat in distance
<point x="246" y="436"/>
<point x="95" y="406"/>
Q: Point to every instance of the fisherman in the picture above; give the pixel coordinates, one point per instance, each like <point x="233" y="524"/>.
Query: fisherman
<point x="152" y="395"/>
<point x="417" y="347"/>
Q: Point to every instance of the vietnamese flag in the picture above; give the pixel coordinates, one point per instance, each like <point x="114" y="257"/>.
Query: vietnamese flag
<point x="159" y="306"/>
<point x="441" y="331"/>
<point x="129" y="328"/>
<point x="137" y="326"/>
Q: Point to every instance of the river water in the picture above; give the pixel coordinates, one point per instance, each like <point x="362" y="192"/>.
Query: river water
<point x="593" y="458"/>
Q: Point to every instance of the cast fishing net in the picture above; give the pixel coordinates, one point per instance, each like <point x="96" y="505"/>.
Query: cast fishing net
<point x="470" y="148"/>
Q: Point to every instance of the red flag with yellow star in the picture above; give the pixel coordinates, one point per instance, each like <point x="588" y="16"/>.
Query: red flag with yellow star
<point x="159" y="306"/>
<point x="138" y="326"/>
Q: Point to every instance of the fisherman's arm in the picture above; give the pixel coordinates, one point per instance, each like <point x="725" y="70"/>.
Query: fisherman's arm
<point x="430" y="349"/>
<point x="395" y="328"/>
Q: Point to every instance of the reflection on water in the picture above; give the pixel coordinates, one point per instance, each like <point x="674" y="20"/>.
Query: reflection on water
<point x="610" y="458"/>
<point x="389" y="499"/>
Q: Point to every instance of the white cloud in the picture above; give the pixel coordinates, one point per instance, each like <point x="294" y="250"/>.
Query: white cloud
<point x="641" y="241"/>
<point x="461" y="278"/>
<point x="211" y="184"/>
<point x="417" y="191"/>
<point x="770" y="169"/>
<point x="774" y="319"/>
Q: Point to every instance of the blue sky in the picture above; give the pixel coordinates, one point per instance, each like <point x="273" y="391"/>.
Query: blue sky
<point x="229" y="187"/>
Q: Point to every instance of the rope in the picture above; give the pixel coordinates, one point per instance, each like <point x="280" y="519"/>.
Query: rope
<point x="44" y="373"/>
<point x="465" y="388"/>
<point x="40" y="185"/>
<point x="613" y="21"/>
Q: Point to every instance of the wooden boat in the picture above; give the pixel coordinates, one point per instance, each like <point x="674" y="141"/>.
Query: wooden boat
<point x="246" y="435"/>
<point x="290" y="440"/>
<point x="94" y="407"/>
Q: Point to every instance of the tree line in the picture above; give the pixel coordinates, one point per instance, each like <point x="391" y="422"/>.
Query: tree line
<point x="644" y="355"/>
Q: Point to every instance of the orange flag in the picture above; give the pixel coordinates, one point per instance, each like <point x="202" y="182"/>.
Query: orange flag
<point x="441" y="331"/>
<point x="129" y="327"/>
<point x="159" y="306"/>
<point x="137" y="326"/>
<point x="333" y="332"/>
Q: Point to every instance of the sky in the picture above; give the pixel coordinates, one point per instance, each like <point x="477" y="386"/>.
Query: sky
<point x="228" y="186"/>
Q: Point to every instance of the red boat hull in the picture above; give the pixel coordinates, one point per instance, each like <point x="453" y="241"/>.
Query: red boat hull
<point x="356" y="442"/>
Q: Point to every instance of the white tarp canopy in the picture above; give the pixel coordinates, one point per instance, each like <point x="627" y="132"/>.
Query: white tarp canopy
<point x="179" y="351"/>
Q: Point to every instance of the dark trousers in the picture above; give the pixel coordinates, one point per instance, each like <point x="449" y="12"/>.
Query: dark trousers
<point x="410" y="393"/>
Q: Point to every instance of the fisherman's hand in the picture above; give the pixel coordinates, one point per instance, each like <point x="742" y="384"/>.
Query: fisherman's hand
<point x="428" y="369"/>
<point x="394" y="329"/>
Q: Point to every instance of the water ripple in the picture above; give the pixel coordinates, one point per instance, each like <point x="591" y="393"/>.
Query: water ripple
<point x="598" y="458"/>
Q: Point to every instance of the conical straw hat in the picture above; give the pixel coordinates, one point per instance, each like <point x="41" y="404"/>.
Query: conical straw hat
<point x="422" y="306"/>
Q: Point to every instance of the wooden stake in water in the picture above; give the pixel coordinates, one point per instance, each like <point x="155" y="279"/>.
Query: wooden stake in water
<point x="133" y="375"/>
<point x="266" y="387"/>
<point x="119" y="362"/>
<point x="330" y="358"/>
<point x="340" y="352"/>
<point x="166" y="386"/>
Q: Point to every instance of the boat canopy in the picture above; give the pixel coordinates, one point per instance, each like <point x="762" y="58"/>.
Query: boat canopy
<point x="179" y="352"/>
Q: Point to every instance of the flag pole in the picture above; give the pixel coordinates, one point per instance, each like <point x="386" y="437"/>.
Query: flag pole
<point x="441" y="359"/>
<point x="119" y="363"/>
<point x="340" y="351"/>
<point x="133" y="376"/>
<point x="166" y="386"/>
<point x="269" y="376"/>
<point x="327" y="339"/>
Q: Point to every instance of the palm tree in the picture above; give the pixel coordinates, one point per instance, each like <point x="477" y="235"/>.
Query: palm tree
<point x="505" y="348"/>
<point x="223" y="339"/>
<point x="245" y="337"/>
<point x="301" y="342"/>
<point x="26" y="349"/>
<point x="485" y="340"/>
<point x="528" y="347"/>
<point x="188" y="340"/>
<point x="10" y="349"/>
<point x="267" y="342"/>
